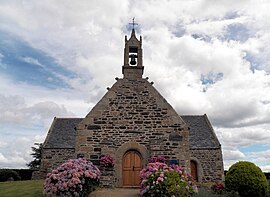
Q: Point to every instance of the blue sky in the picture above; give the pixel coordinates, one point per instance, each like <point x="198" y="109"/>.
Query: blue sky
<point x="24" y="63"/>
<point x="58" y="57"/>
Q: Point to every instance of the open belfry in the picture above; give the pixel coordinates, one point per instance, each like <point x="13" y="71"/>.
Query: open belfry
<point x="132" y="123"/>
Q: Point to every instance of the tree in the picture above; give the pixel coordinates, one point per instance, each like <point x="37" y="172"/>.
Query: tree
<point x="35" y="164"/>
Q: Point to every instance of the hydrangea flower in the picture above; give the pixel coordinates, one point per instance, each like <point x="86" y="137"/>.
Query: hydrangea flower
<point x="76" y="177"/>
<point x="157" y="158"/>
<point x="218" y="188"/>
<point x="107" y="161"/>
<point x="159" y="179"/>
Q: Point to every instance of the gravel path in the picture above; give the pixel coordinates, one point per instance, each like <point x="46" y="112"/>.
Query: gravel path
<point x="116" y="192"/>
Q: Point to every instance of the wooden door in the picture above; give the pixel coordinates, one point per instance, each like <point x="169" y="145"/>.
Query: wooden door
<point x="193" y="169"/>
<point x="132" y="165"/>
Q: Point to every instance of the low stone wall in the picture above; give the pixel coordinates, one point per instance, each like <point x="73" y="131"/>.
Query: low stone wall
<point x="36" y="175"/>
<point x="51" y="159"/>
<point x="107" y="178"/>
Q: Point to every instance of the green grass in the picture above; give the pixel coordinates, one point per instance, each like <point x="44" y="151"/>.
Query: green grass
<point x="21" y="188"/>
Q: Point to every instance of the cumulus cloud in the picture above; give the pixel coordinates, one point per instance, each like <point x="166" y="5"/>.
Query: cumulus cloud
<point x="234" y="155"/>
<point x="265" y="168"/>
<point x="17" y="152"/>
<point x="204" y="57"/>
<point x="14" y="110"/>
<point x="3" y="159"/>
<point x="245" y="136"/>
<point x="260" y="156"/>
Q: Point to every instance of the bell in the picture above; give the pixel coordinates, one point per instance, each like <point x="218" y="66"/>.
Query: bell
<point x="133" y="59"/>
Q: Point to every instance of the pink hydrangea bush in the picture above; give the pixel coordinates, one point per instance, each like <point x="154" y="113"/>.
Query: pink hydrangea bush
<point x="218" y="188"/>
<point x="76" y="177"/>
<point x="159" y="179"/>
<point x="157" y="158"/>
<point x="107" y="161"/>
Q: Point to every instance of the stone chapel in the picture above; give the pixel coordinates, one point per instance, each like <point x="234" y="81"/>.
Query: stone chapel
<point x="133" y="122"/>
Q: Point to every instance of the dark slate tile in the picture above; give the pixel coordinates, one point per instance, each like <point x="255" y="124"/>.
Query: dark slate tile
<point x="62" y="134"/>
<point x="201" y="133"/>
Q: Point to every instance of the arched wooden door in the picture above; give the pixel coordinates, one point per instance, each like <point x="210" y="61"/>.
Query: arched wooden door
<point x="132" y="165"/>
<point x="193" y="169"/>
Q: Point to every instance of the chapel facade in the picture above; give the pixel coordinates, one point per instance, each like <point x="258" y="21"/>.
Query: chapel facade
<point x="132" y="123"/>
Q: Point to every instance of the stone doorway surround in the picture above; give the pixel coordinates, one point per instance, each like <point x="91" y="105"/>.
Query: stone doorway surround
<point x="120" y="152"/>
<point x="199" y="169"/>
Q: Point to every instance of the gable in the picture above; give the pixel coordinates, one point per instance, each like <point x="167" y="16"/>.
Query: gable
<point x="132" y="102"/>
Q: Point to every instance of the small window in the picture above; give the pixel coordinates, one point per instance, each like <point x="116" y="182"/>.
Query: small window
<point x="133" y="50"/>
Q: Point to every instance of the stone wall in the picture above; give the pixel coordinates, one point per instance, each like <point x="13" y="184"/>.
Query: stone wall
<point x="209" y="164"/>
<point x="52" y="158"/>
<point x="107" y="178"/>
<point x="133" y="111"/>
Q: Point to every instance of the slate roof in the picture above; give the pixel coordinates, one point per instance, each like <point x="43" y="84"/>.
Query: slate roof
<point x="202" y="136"/>
<point x="62" y="133"/>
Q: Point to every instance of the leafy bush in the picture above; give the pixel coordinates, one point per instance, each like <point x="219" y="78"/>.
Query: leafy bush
<point x="76" y="177"/>
<point x="8" y="174"/>
<point x="107" y="161"/>
<point x="158" y="158"/>
<point x="159" y="179"/>
<point x="247" y="179"/>
<point x="25" y="174"/>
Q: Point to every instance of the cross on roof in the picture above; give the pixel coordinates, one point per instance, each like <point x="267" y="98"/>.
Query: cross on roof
<point x="133" y="23"/>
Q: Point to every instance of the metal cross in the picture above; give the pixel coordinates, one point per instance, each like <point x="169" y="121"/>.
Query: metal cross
<point x="133" y="22"/>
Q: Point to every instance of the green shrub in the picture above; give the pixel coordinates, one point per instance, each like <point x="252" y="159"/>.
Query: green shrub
<point x="247" y="179"/>
<point x="8" y="174"/>
<point x="25" y="174"/>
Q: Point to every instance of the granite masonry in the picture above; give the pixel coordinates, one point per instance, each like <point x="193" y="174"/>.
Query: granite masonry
<point x="131" y="123"/>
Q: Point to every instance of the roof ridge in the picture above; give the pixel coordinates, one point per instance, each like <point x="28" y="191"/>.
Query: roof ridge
<point x="49" y="132"/>
<point x="67" y="118"/>
<point x="191" y="115"/>
<point x="211" y="128"/>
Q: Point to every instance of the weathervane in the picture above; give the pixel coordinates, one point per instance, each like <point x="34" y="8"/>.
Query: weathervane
<point x="133" y="23"/>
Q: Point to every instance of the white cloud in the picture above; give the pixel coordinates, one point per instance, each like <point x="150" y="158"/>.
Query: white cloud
<point x="4" y="66"/>
<point x="260" y="156"/>
<point x="3" y="159"/>
<point x="14" y="110"/>
<point x="17" y="152"/>
<point x="31" y="95"/>
<point x="87" y="38"/>
<point x="265" y="168"/>
<point x="244" y="136"/>
<point x="31" y="60"/>
<point x="233" y="155"/>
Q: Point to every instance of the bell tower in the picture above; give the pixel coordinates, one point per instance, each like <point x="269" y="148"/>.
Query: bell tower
<point x="133" y="67"/>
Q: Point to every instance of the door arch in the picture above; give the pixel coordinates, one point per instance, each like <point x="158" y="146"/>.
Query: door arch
<point x="132" y="165"/>
<point x="194" y="170"/>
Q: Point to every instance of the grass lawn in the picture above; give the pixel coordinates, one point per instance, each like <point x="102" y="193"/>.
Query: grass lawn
<point x="21" y="188"/>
